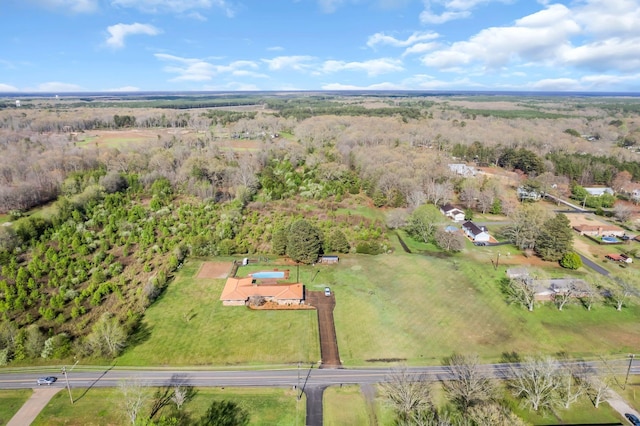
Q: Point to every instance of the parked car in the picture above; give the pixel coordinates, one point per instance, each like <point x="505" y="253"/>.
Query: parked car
<point x="327" y="291"/>
<point x="633" y="419"/>
<point x="49" y="380"/>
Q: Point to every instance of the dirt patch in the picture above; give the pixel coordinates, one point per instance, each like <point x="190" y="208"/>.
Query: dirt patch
<point x="214" y="270"/>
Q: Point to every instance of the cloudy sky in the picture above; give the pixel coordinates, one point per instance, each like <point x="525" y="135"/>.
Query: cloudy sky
<point x="177" y="45"/>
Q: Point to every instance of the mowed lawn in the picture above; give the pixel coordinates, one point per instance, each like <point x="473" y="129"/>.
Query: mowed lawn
<point x="104" y="406"/>
<point x="11" y="401"/>
<point x="418" y="309"/>
<point x="189" y="326"/>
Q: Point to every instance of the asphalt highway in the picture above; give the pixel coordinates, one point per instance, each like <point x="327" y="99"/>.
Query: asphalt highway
<point x="288" y="377"/>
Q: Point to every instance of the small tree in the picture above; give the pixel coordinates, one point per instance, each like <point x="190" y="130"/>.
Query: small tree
<point x="562" y="296"/>
<point x="224" y="413"/>
<point x="337" y="242"/>
<point x="134" y="397"/>
<point x="571" y="260"/>
<point x="409" y="394"/>
<point x="423" y="222"/>
<point x="279" y="241"/>
<point x="555" y="238"/>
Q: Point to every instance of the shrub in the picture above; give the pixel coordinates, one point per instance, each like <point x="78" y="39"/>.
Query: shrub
<point x="571" y="260"/>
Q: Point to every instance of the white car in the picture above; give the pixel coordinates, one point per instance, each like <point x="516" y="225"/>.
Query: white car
<point x="46" y="380"/>
<point x="327" y="291"/>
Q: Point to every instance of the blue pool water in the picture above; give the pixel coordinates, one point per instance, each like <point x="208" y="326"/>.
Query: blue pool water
<point x="610" y="240"/>
<point x="268" y="274"/>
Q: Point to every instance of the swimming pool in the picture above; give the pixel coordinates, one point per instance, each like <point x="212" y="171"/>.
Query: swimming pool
<point x="268" y="274"/>
<point x="610" y="240"/>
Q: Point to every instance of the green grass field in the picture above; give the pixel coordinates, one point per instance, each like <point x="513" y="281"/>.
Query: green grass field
<point x="347" y="405"/>
<point x="10" y="403"/>
<point x="219" y="335"/>
<point x="102" y="406"/>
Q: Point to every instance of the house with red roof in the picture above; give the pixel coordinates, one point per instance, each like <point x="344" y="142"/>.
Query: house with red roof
<point x="238" y="291"/>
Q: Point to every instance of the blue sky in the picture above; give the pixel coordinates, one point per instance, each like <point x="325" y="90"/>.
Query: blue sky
<point x="229" y="45"/>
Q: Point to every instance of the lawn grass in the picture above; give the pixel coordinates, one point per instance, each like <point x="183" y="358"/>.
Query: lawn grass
<point x="10" y="403"/>
<point x="631" y="392"/>
<point x="581" y="412"/>
<point x="347" y="405"/>
<point x="218" y="335"/>
<point x="103" y="406"/>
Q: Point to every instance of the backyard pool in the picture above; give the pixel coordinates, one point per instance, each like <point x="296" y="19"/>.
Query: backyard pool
<point x="268" y="275"/>
<point x="610" y="240"/>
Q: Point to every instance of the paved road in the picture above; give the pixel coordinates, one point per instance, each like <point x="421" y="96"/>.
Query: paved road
<point x="81" y="377"/>
<point x="593" y="265"/>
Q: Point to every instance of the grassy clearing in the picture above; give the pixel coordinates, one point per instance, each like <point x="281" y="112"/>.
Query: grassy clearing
<point x="10" y="403"/>
<point x="219" y="335"/>
<point x="347" y="405"/>
<point x="631" y="392"/>
<point x="421" y="308"/>
<point x="102" y="406"/>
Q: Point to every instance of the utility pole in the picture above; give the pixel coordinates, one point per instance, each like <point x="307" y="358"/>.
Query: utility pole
<point x="66" y="378"/>
<point x="631" y="356"/>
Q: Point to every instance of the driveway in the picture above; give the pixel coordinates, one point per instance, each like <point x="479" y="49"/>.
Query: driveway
<point x="328" y="340"/>
<point x="593" y="265"/>
<point x="30" y="410"/>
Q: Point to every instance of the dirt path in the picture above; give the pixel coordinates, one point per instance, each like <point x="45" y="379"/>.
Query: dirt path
<point x="30" y="410"/>
<point x="328" y="340"/>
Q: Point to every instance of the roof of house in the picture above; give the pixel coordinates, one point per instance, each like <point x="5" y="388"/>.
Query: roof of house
<point x="616" y="257"/>
<point x="475" y="229"/>
<point x="599" y="190"/>
<point x="521" y="271"/>
<point x="243" y="288"/>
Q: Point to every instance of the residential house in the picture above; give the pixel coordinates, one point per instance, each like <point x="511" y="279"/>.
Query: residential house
<point x="619" y="258"/>
<point x="475" y="232"/>
<point x="452" y="212"/>
<point x="463" y="170"/>
<point x="525" y="193"/>
<point x="598" y="191"/>
<point x="237" y="292"/>
<point x="546" y="290"/>
<point x="599" y="230"/>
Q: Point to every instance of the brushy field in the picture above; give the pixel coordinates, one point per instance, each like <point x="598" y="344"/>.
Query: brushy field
<point x="188" y="325"/>
<point x="103" y="406"/>
<point x="10" y="403"/>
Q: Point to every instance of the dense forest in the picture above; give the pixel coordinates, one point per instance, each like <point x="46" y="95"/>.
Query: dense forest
<point x="113" y="222"/>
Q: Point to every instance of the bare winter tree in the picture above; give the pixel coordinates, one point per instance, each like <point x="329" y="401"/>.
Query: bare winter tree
<point x="449" y="241"/>
<point x="571" y="383"/>
<point x="621" y="293"/>
<point x="562" y="296"/>
<point x="522" y="290"/>
<point x="622" y="212"/>
<point x="598" y="386"/>
<point x="535" y="381"/>
<point x="588" y="294"/>
<point x="468" y="385"/>
<point x="135" y="395"/>
<point x="397" y="218"/>
<point x="408" y="393"/>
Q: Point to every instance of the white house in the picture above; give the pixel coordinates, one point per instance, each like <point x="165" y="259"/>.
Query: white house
<point x="528" y="194"/>
<point x="598" y="191"/>
<point x="463" y="170"/>
<point x="475" y="232"/>
<point x="452" y="212"/>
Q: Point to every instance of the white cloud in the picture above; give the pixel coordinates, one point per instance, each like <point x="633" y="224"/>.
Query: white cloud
<point x="614" y="53"/>
<point x="177" y="6"/>
<point x="235" y="86"/>
<point x="541" y="36"/>
<point x="119" y="32"/>
<point x="75" y="6"/>
<point x="56" y="86"/>
<point x="377" y="86"/>
<point x="124" y="89"/>
<point x="275" y="48"/>
<point x="416" y="37"/>
<point x="329" y="6"/>
<point x="610" y="18"/>
<point x="420" y="48"/>
<point x="372" y="67"/>
<point x="449" y="10"/>
<point x="7" y="88"/>
<point x="298" y="63"/>
<point x="193" y="69"/>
